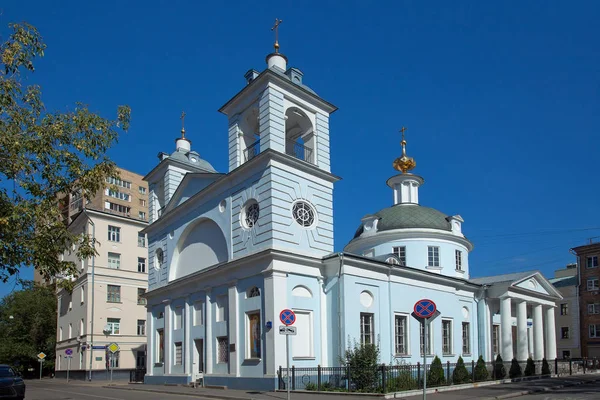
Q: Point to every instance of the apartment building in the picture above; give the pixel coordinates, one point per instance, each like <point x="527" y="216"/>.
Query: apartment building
<point x="111" y="309"/>
<point x="568" y="335"/>
<point x="589" y="297"/>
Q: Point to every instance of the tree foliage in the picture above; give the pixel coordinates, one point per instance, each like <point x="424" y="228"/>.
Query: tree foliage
<point x="28" y="327"/>
<point x="435" y="376"/>
<point x="481" y="372"/>
<point x="460" y="373"/>
<point x="499" y="369"/>
<point x="530" y="367"/>
<point x="545" y="367"/>
<point x="363" y="359"/>
<point x="43" y="155"/>
<point x="515" y="369"/>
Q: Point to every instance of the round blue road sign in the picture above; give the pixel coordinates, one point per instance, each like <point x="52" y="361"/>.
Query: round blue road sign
<point x="425" y="308"/>
<point x="287" y="317"/>
<point x="69" y="352"/>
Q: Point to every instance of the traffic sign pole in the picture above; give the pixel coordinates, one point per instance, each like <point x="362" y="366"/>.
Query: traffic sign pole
<point x="68" y="367"/>
<point x="41" y="365"/>
<point x="425" y="345"/>
<point x="287" y="358"/>
<point x="287" y="317"/>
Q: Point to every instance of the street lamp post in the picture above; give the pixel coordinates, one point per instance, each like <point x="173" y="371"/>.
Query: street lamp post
<point x="91" y="344"/>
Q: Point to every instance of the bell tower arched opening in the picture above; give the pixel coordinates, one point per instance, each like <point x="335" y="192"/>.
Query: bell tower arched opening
<point x="299" y="135"/>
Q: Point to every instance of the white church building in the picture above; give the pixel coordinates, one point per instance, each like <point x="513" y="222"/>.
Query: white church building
<point x="229" y="251"/>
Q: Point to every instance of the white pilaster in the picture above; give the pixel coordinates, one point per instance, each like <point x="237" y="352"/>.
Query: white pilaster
<point x="234" y="331"/>
<point x="188" y="344"/>
<point x="550" y="331"/>
<point x="325" y="336"/>
<point x="276" y="286"/>
<point x="151" y="337"/>
<point x="208" y="338"/>
<point x="538" y="333"/>
<point x="522" y="344"/>
<point x="506" y="342"/>
<point x="168" y="329"/>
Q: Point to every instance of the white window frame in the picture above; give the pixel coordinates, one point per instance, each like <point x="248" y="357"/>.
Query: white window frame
<point x="405" y="335"/>
<point x="141" y="190"/>
<point x="70" y="331"/>
<point x="433" y="256"/>
<point x="591" y="262"/>
<point x="594" y="331"/>
<point x="81" y="327"/>
<point x="496" y="339"/>
<point x="466" y="342"/>
<point x="198" y="313"/>
<point x="141" y="239"/>
<point x="178" y="353"/>
<point x="114" y="326"/>
<point x="458" y="259"/>
<point x="82" y="299"/>
<point x="114" y="233"/>
<point x="142" y="264"/>
<point x="400" y="252"/>
<point x="593" y="308"/>
<point x="367" y="320"/>
<point x="142" y="331"/>
<point x="141" y="215"/>
<point x="141" y="300"/>
<point x="447" y="349"/>
<point x="421" y="332"/>
<point x="594" y="284"/>
<point x="114" y="260"/>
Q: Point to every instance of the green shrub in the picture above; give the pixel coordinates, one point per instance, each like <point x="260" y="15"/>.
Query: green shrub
<point x="364" y="364"/>
<point x="499" y="370"/>
<point x="310" y="386"/>
<point x="515" y="369"/>
<point x="545" y="367"/>
<point x="530" y="367"/>
<point x="460" y="373"/>
<point x="403" y="381"/>
<point x="481" y="372"/>
<point x="435" y="376"/>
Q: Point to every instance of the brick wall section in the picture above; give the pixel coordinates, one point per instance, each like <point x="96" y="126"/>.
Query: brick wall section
<point x="590" y="347"/>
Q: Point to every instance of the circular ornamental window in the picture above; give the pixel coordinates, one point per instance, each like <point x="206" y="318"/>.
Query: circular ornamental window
<point x="251" y="214"/>
<point x="304" y="214"/>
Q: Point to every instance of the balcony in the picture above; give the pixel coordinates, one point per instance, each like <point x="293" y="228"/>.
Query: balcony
<point x="252" y="151"/>
<point x="294" y="149"/>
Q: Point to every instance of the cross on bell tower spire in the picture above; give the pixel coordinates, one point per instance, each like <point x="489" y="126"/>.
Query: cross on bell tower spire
<point x="404" y="163"/>
<point x="276" y="29"/>
<point x="182" y="118"/>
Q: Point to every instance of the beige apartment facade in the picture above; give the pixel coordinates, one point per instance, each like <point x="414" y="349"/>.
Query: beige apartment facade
<point x="120" y="279"/>
<point x="567" y="313"/>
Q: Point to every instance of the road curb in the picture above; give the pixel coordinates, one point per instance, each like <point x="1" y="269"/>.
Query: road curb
<point x="539" y="390"/>
<point x="206" y="395"/>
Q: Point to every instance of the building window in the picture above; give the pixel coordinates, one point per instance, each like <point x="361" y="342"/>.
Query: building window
<point x="400" y="251"/>
<point x="114" y="233"/>
<point x="254" y="334"/>
<point x="118" y="182"/>
<point x="466" y="338"/>
<point x="141" y="300"/>
<point x="302" y="342"/>
<point x="564" y="332"/>
<point x="114" y="260"/>
<point x="70" y="331"/>
<point x="113" y="325"/>
<point x="401" y="329"/>
<point x="82" y="294"/>
<point x="178" y="318"/>
<point x="458" y="258"/>
<point x="142" y="202"/>
<point x="178" y="353"/>
<point x="496" y="338"/>
<point x="446" y="337"/>
<point x="221" y="308"/>
<point x="141" y="239"/>
<point x="160" y="258"/>
<point x="222" y="350"/>
<point x="161" y="345"/>
<point x="141" y="215"/>
<point x="113" y="360"/>
<point x="142" y="190"/>
<point x="198" y="313"/>
<point x="118" y="195"/>
<point x="422" y="340"/>
<point x="564" y="309"/>
<point x="141" y="327"/>
<point x="253" y="292"/>
<point x="119" y="208"/>
<point x="433" y="256"/>
<point x="595" y="331"/>
<point x="141" y="264"/>
<point x="113" y="294"/>
<point x="566" y="354"/>
<point x="251" y="214"/>
<point x="592" y="262"/>
<point x="592" y="284"/>
<point x="367" y="335"/>
<point x="81" y="327"/>
<point x="60" y="334"/>
<point x="594" y="308"/>
<point x="303" y="214"/>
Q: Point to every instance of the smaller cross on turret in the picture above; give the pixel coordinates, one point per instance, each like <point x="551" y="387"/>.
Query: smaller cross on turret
<point x="182" y="124"/>
<point x="276" y="29"/>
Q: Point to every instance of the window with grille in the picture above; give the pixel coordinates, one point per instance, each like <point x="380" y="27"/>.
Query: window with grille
<point x="592" y="262"/>
<point x="592" y="284"/>
<point x="141" y="239"/>
<point x="458" y="258"/>
<point x="401" y="329"/>
<point x="113" y="325"/>
<point x="303" y="213"/>
<point x="114" y="233"/>
<point x="222" y="350"/>
<point x="466" y="338"/>
<point x="564" y="309"/>
<point x="141" y="327"/>
<point x="433" y="256"/>
<point x="141" y="264"/>
<point x="140" y="296"/>
<point x="113" y="294"/>
<point x="496" y="338"/>
<point x="198" y="310"/>
<point x="400" y="251"/>
<point x="367" y="334"/>
<point x="114" y="260"/>
<point x="446" y="337"/>
<point x="178" y="353"/>
<point x="564" y="332"/>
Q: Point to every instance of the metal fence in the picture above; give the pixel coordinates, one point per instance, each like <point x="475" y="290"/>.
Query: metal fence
<point x="395" y="378"/>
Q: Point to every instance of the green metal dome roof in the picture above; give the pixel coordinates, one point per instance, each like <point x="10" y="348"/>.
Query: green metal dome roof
<point x="405" y="216"/>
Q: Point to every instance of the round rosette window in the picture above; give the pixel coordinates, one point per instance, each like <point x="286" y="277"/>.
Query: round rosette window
<point x="250" y="214"/>
<point x="304" y="214"/>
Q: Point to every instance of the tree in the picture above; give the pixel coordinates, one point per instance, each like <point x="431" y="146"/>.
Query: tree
<point x="28" y="327"/>
<point x="499" y="370"/>
<point x="460" y="373"/>
<point x="545" y="367"/>
<point x="435" y="376"/>
<point x="43" y="156"/>
<point x="363" y="359"/>
<point x="530" y="367"/>
<point x="481" y="372"/>
<point x="515" y="369"/>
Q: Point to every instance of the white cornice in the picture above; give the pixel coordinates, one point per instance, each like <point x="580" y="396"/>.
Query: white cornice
<point x="409" y="233"/>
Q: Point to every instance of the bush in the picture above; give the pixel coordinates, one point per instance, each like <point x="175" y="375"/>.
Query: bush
<point x="530" y="367"/>
<point x="481" y="372"/>
<point x="435" y="376"/>
<point x="515" y="369"/>
<point x="545" y="367"/>
<point x="460" y="373"/>
<point x="310" y="386"/>
<point x="403" y="381"/>
<point x="364" y="363"/>
<point x="499" y="370"/>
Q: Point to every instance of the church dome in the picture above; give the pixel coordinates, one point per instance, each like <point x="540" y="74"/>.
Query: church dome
<point x="406" y="216"/>
<point x="192" y="159"/>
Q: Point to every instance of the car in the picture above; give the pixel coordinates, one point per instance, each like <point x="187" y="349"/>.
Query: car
<point x="12" y="385"/>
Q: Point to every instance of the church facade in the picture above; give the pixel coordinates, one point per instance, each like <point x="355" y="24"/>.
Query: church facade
<point x="229" y="251"/>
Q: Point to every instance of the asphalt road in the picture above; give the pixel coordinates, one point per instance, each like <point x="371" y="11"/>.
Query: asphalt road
<point x="590" y="391"/>
<point x="59" y="390"/>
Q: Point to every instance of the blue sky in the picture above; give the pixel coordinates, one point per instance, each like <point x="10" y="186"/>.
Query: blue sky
<point x="501" y="100"/>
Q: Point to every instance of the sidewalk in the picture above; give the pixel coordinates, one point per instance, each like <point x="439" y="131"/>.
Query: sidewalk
<point x="500" y="391"/>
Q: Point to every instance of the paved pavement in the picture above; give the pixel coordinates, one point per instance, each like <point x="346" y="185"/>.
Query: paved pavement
<point x="578" y="387"/>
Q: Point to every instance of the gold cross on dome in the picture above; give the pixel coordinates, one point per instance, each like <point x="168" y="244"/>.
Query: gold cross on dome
<point x="276" y="29"/>
<point x="182" y="124"/>
<point x="402" y="131"/>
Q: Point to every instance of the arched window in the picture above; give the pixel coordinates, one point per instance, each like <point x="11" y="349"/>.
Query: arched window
<point x="392" y="260"/>
<point x="253" y="292"/>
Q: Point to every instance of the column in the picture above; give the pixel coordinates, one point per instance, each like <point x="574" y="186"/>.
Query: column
<point x="550" y="331"/>
<point x="234" y="331"/>
<point x="276" y="299"/>
<point x="168" y="318"/>
<point x="325" y="335"/>
<point x="506" y="342"/>
<point x="188" y="345"/>
<point x="208" y="339"/>
<point x="538" y="335"/>
<point x="151" y="340"/>
<point x="522" y="345"/>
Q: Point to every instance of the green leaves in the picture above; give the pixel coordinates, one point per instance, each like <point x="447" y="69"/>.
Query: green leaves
<point x="44" y="157"/>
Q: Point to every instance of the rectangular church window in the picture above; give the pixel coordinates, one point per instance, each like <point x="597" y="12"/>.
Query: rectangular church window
<point x="496" y="338"/>
<point x="178" y="353"/>
<point x="433" y="256"/>
<point x="446" y="336"/>
<point x="222" y="350"/>
<point x="400" y="251"/>
<point x="401" y="329"/>
<point x="458" y="257"/>
<point x="254" y="337"/>
<point x="466" y="338"/>
<point x="302" y="342"/>
<point x="367" y="334"/>
<point x="161" y="345"/>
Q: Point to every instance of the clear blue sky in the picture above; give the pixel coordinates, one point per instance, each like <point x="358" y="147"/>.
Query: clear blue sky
<point x="501" y="100"/>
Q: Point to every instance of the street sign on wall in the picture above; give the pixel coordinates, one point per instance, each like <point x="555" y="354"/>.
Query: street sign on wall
<point x="287" y="317"/>
<point x="425" y="308"/>
<point x="287" y="330"/>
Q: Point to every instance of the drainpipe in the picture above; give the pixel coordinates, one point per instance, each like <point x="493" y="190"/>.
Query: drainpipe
<point x="340" y="295"/>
